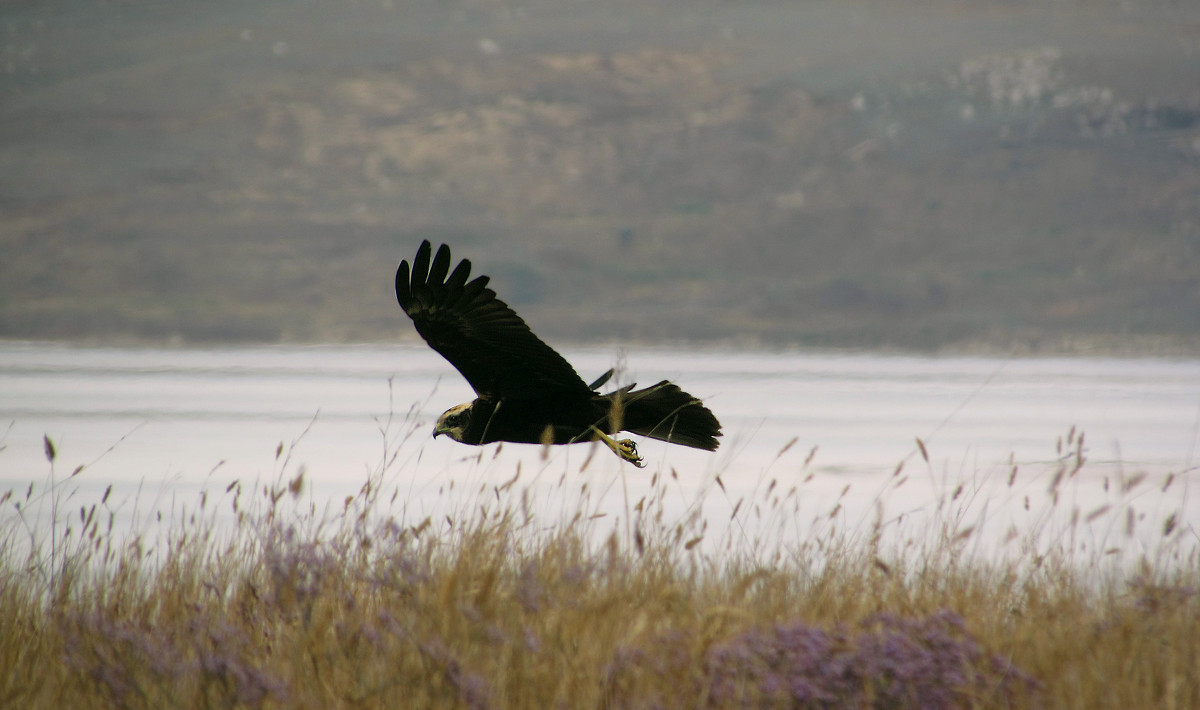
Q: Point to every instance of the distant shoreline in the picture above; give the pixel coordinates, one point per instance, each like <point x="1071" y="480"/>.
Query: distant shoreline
<point x="926" y="177"/>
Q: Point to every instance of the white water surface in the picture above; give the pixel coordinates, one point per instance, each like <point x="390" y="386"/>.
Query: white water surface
<point x="159" y="425"/>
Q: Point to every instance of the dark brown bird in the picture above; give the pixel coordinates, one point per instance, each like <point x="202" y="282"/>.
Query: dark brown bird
<point x="526" y="392"/>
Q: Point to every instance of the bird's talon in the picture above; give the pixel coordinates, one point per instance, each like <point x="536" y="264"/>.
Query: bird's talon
<point x="627" y="450"/>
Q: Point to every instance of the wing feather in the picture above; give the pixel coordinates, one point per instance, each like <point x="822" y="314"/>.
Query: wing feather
<point x="461" y="273"/>
<point x="474" y="288"/>
<point x="420" y="269"/>
<point x="439" y="269"/>
<point x="403" y="290"/>
<point x="479" y="334"/>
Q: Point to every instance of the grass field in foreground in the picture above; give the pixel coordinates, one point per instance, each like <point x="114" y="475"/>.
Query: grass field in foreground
<point x="267" y="604"/>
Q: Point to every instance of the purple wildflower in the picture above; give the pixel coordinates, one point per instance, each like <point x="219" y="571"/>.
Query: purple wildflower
<point x="892" y="662"/>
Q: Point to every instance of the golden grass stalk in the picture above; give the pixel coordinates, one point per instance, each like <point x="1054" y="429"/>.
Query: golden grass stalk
<point x="254" y="601"/>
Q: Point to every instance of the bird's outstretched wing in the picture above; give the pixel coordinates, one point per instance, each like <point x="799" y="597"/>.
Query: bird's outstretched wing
<point x="478" y="333"/>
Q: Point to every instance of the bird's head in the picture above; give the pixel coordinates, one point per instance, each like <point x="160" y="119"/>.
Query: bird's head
<point x="454" y="421"/>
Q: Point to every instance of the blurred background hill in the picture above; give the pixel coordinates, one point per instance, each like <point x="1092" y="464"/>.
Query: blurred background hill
<point x="914" y="174"/>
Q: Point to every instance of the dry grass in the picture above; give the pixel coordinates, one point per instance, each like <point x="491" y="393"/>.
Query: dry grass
<point x="255" y="600"/>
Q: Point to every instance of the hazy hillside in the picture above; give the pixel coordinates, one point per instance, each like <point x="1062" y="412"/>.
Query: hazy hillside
<point x="876" y="173"/>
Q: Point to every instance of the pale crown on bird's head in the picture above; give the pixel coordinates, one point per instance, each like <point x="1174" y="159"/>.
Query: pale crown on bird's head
<point x="454" y="421"/>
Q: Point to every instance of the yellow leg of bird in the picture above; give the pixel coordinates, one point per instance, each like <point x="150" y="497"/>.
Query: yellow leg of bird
<point x="625" y="448"/>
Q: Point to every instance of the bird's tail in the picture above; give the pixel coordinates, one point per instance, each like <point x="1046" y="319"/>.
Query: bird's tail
<point x="665" y="412"/>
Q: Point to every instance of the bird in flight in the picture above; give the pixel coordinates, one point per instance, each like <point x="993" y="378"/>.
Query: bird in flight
<point x="525" y="391"/>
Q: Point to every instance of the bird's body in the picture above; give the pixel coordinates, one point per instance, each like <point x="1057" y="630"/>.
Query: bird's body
<point x="566" y="418"/>
<point x="527" y="393"/>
